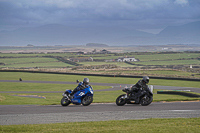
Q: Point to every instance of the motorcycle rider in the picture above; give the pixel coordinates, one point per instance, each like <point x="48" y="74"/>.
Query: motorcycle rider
<point x="138" y="88"/>
<point x="81" y="86"/>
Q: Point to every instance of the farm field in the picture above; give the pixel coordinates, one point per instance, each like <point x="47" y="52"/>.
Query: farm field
<point x="32" y="62"/>
<point x="172" y="64"/>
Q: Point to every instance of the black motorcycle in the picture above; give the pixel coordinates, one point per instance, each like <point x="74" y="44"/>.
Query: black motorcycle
<point x="145" y="97"/>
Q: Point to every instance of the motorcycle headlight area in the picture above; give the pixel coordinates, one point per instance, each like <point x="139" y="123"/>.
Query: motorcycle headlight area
<point x="91" y="91"/>
<point x="64" y="95"/>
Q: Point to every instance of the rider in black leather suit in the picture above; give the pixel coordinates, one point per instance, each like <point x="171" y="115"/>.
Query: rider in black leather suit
<point x="138" y="87"/>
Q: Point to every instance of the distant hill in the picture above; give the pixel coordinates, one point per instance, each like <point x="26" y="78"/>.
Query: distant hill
<point x="184" y="34"/>
<point x="56" y="34"/>
<point x="96" y="45"/>
<point x="188" y="33"/>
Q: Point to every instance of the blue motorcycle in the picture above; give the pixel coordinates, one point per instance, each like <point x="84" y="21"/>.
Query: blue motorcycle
<point x="84" y="97"/>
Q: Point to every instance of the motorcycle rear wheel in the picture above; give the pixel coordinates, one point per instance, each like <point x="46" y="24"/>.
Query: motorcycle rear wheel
<point x="65" y="101"/>
<point x="87" y="100"/>
<point x="121" y="101"/>
<point x="146" y="101"/>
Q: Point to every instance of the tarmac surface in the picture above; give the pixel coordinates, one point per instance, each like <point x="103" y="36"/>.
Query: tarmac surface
<point x="36" y="114"/>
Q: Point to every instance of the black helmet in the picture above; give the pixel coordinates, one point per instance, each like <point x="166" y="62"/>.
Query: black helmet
<point x="86" y="81"/>
<point x="146" y="79"/>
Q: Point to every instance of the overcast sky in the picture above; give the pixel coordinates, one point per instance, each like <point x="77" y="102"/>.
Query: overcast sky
<point x="147" y="15"/>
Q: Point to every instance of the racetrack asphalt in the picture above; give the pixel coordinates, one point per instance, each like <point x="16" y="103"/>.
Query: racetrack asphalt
<point x="36" y="114"/>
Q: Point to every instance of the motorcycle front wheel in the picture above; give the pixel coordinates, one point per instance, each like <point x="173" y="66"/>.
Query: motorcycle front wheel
<point x="146" y="100"/>
<point x="87" y="100"/>
<point x="65" y="101"/>
<point x="120" y="101"/>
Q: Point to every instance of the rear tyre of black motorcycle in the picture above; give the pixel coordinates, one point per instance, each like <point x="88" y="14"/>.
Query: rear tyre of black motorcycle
<point x="143" y="102"/>
<point x="87" y="100"/>
<point x="121" y="101"/>
<point x="65" y="101"/>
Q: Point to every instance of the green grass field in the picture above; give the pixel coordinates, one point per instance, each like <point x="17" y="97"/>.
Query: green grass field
<point x="32" y="62"/>
<point x="93" y="79"/>
<point x="177" y="62"/>
<point x="183" y="125"/>
<point x="163" y="56"/>
<point x="54" y="98"/>
<point x="176" y="125"/>
<point x="156" y="73"/>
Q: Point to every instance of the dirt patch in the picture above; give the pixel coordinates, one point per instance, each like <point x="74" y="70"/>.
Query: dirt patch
<point x="2" y="98"/>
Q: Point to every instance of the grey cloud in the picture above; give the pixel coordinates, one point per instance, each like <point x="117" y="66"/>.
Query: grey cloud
<point x="148" y="12"/>
<point x="181" y="2"/>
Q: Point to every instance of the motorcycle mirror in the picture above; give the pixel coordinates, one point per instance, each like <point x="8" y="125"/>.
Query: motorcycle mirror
<point x="77" y="81"/>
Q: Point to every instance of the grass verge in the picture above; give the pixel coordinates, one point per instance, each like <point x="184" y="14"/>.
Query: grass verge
<point x="172" y="125"/>
<point x="93" y="79"/>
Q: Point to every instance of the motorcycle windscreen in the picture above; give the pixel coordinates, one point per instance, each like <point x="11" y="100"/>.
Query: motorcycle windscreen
<point x="69" y="91"/>
<point x="151" y="88"/>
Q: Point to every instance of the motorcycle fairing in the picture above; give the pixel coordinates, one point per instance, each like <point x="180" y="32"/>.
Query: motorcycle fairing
<point x="80" y="94"/>
<point x="69" y="91"/>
